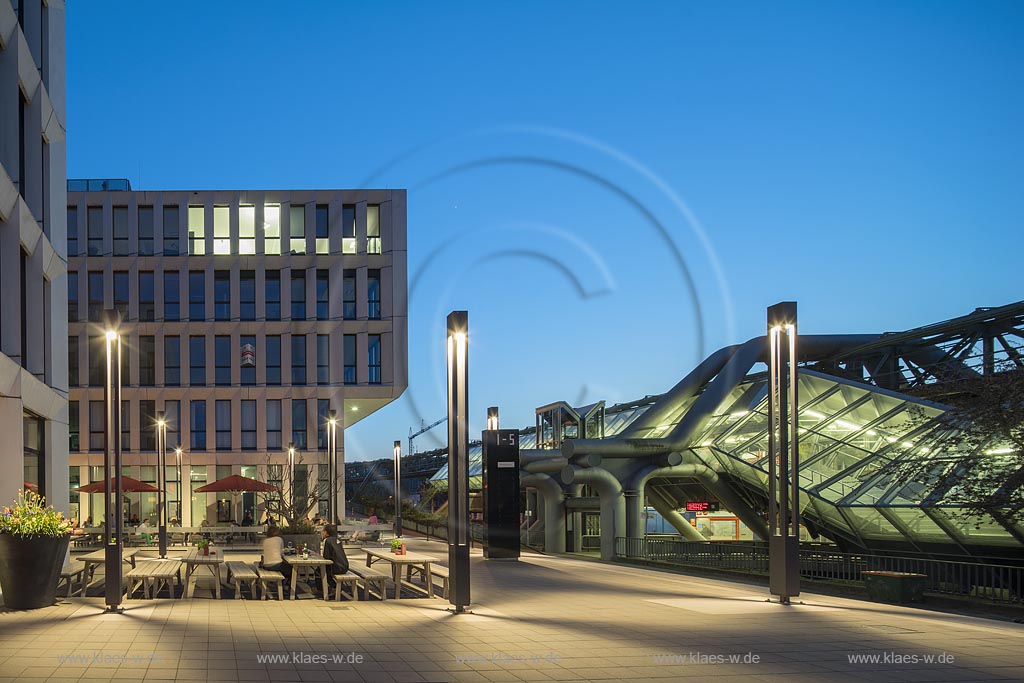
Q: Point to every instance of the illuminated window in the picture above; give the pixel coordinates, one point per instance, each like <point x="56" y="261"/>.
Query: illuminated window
<point x="247" y="230"/>
<point x="271" y="229"/>
<point x="196" y="230"/>
<point x="322" y="243"/>
<point x="221" y="230"/>
<point x="297" y="229"/>
<point x="348" y="229"/>
<point x="373" y="229"/>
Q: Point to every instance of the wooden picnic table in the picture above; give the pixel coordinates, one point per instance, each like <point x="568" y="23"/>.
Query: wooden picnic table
<point x="195" y="558"/>
<point x="315" y="560"/>
<point x="100" y="557"/>
<point x="397" y="562"/>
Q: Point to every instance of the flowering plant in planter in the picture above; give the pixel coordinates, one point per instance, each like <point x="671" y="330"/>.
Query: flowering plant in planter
<point x="30" y="517"/>
<point x="33" y="544"/>
<point x="398" y="546"/>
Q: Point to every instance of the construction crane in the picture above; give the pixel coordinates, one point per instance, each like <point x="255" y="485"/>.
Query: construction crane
<point x="424" y="428"/>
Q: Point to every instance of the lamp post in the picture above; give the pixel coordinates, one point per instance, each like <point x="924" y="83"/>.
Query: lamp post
<point x="177" y="457"/>
<point x="333" y="513"/>
<point x="783" y="454"/>
<point x="458" y="458"/>
<point x="398" y="488"/>
<point x="161" y="481"/>
<point x="112" y="485"/>
<point x="291" y="473"/>
<point x="492" y="418"/>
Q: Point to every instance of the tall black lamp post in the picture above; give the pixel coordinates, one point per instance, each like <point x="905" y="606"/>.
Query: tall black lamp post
<point x="458" y="458"/>
<point x="161" y="481"/>
<point x="398" y="489"/>
<point x="113" y="489"/>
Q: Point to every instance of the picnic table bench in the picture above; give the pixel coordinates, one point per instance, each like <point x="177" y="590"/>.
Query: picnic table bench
<point x="241" y="572"/>
<point x="435" y="572"/>
<point x="69" y="574"/>
<point x="352" y="580"/>
<point x="268" y="576"/>
<point x="372" y="576"/>
<point x="152" y="575"/>
<point x="100" y="557"/>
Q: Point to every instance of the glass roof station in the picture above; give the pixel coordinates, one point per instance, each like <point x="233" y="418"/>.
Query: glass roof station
<point x="865" y="408"/>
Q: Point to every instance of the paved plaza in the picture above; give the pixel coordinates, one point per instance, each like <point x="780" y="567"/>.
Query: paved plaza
<point x="539" y="619"/>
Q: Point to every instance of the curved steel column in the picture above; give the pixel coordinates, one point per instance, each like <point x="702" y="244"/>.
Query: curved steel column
<point x="554" y="513"/>
<point x="613" y="504"/>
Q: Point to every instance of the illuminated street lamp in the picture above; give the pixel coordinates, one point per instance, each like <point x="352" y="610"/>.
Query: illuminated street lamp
<point x="458" y="458"/>
<point x="177" y="457"/>
<point x="112" y="488"/>
<point x="492" y="418"/>
<point x="333" y="513"/>
<point x="291" y="472"/>
<point x="398" y="489"/>
<point x="161" y="481"/>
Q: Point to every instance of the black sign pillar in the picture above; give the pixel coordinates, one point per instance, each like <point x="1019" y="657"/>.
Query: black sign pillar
<point x="501" y="494"/>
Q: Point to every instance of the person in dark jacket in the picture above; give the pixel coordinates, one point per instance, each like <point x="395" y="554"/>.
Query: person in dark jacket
<point x="334" y="551"/>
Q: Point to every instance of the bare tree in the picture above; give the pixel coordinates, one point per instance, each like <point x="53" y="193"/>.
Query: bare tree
<point x="291" y="504"/>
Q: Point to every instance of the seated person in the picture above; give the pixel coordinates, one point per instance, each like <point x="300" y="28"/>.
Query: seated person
<point x="273" y="554"/>
<point x="334" y="551"/>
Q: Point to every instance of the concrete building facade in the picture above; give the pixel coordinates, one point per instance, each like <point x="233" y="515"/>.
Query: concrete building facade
<point x="33" y="259"/>
<point x="247" y="317"/>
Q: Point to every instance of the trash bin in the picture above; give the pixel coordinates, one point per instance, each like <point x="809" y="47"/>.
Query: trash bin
<point x="896" y="587"/>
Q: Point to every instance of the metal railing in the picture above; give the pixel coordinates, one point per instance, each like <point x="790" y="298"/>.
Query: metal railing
<point x="993" y="582"/>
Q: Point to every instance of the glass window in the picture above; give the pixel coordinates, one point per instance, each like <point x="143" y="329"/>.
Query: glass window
<point x="323" y="408"/>
<point x="373" y="358"/>
<point x="121" y="293"/>
<point x="147" y="360"/>
<point x="172" y="413"/>
<point x="121" y="231"/>
<point x="298" y="295"/>
<point x="298" y="359"/>
<point x="74" y="443"/>
<point x="172" y="295"/>
<point x="273" y="359"/>
<point x="197" y="421"/>
<point x="72" y="296"/>
<point x="246" y="229"/>
<point x="147" y="425"/>
<point x="95" y="296"/>
<point x="350" y="359"/>
<point x="145" y="231"/>
<point x="73" y="377"/>
<point x="172" y="237"/>
<point x="197" y="295"/>
<point x="172" y="361"/>
<point x="271" y="228"/>
<point x="273" y="424"/>
<point x="197" y="360"/>
<point x="72" y="231"/>
<point x="223" y="424"/>
<point x="323" y="359"/>
<point x="197" y="230"/>
<point x="373" y="229"/>
<point x="273" y="291"/>
<point x="94" y="216"/>
<point x="373" y="294"/>
<point x="248" y="425"/>
<point x="299" y="423"/>
<point x="96" y="426"/>
<point x="221" y="230"/>
<point x="97" y="361"/>
<point x="348" y="229"/>
<point x="322" y="242"/>
<point x="323" y="294"/>
<point x="297" y="228"/>
<point x="348" y="292"/>
<point x="247" y="293"/>
<point x="126" y="425"/>
<point x="222" y="360"/>
<point x="222" y="295"/>
<point x="147" y="296"/>
<point x="248" y="363"/>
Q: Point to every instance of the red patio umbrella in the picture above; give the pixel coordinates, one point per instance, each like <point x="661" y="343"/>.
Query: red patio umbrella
<point x="128" y="485"/>
<point x="236" y="484"/>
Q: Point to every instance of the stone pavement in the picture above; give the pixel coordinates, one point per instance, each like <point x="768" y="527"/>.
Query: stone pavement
<point x="540" y="619"/>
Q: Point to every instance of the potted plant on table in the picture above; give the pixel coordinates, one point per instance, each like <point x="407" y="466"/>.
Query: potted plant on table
<point x="204" y="545"/>
<point x="398" y="546"/>
<point x="33" y="544"/>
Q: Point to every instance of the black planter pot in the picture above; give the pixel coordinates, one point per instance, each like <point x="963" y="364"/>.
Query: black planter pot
<point x="30" y="569"/>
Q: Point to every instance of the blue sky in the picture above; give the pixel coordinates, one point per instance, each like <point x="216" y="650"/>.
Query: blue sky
<point x="613" y="190"/>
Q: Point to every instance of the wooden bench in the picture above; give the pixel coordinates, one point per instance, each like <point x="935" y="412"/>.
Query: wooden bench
<point x="374" y="576"/>
<point x="436" y="571"/>
<point x="152" y="575"/>
<point x="239" y="573"/>
<point x="353" y="585"/>
<point x="268" y="576"/>
<point x="69" y="574"/>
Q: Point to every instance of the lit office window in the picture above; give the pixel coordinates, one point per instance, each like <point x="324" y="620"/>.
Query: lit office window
<point x="222" y="295"/>
<point x="247" y="230"/>
<point x="350" y="359"/>
<point x="198" y="425"/>
<point x="72" y="296"/>
<point x="348" y="293"/>
<point x="197" y="360"/>
<point x="297" y="229"/>
<point x="273" y="424"/>
<point x="248" y="362"/>
<point x="247" y="294"/>
<point x="322" y="243"/>
<point x="298" y="295"/>
<point x="348" y="229"/>
<point x="145" y="231"/>
<point x="298" y="359"/>
<point x="273" y="294"/>
<point x="73" y="426"/>
<point x="221" y="230"/>
<point x="323" y="294"/>
<point x="172" y="238"/>
<point x="271" y="228"/>
<point x="299" y="423"/>
<point x="373" y="358"/>
<point x="121" y="231"/>
<point x="172" y="361"/>
<point x="121" y="293"/>
<point x="196" y="230"/>
<point x="222" y="360"/>
<point x="126" y="425"/>
<point x="373" y="294"/>
<point x="147" y="296"/>
<point x="248" y="425"/>
<point x="373" y="229"/>
<point x="147" y="360"/>
<point x="222" y="417"/>
<point x="73" y="378"/>
<point x="323" y="408"/>
<point x="273" y="345"/>
<point x="196" y="295"/>
<point x="94" y="217"/>
<point x="172" y="295"/>
<point x="323" y="359"/>
<point x="72" y="231"/>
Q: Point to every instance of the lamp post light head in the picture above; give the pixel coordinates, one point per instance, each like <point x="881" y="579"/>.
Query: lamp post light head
<point x="492" y="417"/>
<point x="398" y="447"/>
<point x="111" y="335"/>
